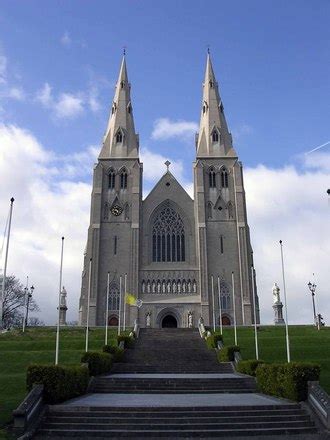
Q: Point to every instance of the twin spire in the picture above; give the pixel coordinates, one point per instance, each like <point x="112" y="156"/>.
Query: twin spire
<point x="121" y="141"/>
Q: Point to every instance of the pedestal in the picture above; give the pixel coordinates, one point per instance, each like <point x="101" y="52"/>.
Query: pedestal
<point x="278" y="311"/>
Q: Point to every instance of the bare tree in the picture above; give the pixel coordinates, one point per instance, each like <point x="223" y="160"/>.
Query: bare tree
<point x="34" y="321"/>
<point x="13" y="303"/>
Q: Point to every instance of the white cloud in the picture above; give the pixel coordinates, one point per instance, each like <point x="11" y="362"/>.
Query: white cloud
<point x="7" y="89"/>
<point x="282" y="204"/>
<point x="164" y="129"/>
<point x="66" y="39"/>
<point x="68" y="105"/>
<point x="242" y="130"/>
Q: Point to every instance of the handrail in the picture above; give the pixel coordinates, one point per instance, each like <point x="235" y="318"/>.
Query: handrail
<point x="319" y="400"/>
<point x="29" y="412"/>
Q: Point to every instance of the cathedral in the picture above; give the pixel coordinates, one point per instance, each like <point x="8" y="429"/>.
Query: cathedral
<point x="181" y="258"/>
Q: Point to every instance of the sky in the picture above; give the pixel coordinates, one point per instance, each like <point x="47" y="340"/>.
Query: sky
<point x="59" y="62"/>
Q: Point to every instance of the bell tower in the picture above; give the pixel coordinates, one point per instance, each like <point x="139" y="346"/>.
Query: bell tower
<point x="223" y="241"/>
<point x="113" y="234"/>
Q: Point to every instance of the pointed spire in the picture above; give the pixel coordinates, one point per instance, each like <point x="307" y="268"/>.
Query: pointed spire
<point x="120" y="139"/>
<point x="214" y="139"/>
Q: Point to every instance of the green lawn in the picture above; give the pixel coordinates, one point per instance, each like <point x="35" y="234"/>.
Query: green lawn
<point x="37" y="345"/>
<point x="306" y="345"/>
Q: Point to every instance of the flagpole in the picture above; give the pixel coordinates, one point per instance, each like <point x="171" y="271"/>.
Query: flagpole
<point x="88" y="302"/>
<point x="59" y="307"/>
<point x="125" y="288"/>
<point x="107" y="311"/>
<point x="234" y="306"/>
<point x="286" y="307"/>
<point x="255" y="315"/>
<point x="220" y="306"/>
<point x="6" y="261"/>
<point x="25" y="297"/>
<point x="119" y="320"/>
<point x="212" y="286"/>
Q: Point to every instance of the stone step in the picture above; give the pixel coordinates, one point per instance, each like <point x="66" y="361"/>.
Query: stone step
<point x="178" y="391"/>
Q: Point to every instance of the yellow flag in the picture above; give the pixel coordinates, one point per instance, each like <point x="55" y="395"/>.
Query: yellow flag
<point x="130" y="299"/>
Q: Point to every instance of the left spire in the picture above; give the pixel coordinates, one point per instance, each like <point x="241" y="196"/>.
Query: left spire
<point x="120" y="139"/>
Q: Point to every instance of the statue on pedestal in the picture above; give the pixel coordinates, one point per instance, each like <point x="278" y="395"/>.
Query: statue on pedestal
<point x="148" y="319"/>
<point x="190" y="319"/>
<point x="277" y="306"/>
<point x="63" y="307"/>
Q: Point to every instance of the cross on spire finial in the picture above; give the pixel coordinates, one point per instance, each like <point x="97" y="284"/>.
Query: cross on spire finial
<point x="167" y="163"/>
<point x="124" y="50"/>
<point x="208" y="49"/>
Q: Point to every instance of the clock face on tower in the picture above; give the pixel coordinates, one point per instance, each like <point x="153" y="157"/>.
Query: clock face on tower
<point x="116" y="210"/>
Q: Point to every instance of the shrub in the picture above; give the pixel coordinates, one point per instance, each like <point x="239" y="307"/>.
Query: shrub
<point x="287" y="380"/>
<point x="60" y="383"/>
<point x="116" y="352"/>
<point x="227" y="354"/>
<point x="249" y="366"/>
<point x="98" y="363"/>
<point x="128" y="340"/>
<point x="212" y="340"/>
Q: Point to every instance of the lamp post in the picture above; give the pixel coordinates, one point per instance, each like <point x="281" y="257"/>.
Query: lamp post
<point x="29" y="296"/>
<point x="312" y="288"/>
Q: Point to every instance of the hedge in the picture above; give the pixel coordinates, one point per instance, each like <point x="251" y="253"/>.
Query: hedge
<point x="227" y="354"/>
<point x="60" y="383"/>
<point x="212" y="340"/>
<point x="117" y="353"/>
<point x="98" y="363"/>
<point x="249" y="366"/>
<point x="287" y="380"/>
<point x="128" y="340"/>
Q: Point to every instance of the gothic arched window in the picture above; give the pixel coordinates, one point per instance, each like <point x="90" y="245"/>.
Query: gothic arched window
<point x="119" y="137"/>
<point x="168" y="236"/>
<point x="113" y="296"/>
<point x="123" y="179"/>
<point x="209" y="210"/>
<point x="224" y="178"/>
<point x="212" y="178"/>
<point x="215" y="136"/>
<point x="112" y="179"/>
<point x="225" y="296"/>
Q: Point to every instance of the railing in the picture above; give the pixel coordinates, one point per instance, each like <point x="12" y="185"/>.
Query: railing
<point x="319" y="400"/>
<point x="27" y="416"/>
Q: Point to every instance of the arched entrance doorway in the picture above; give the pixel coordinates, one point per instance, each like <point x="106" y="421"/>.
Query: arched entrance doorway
<point x="169" y="322"/>
<point x="225" y="320"/>
<point x="113" y="321"/>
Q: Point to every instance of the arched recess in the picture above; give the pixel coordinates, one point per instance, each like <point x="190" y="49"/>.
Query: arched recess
<point x="113" y="321"/>
<point x="168" y="247"/>
<point x="226" y="320"/>
<point x="168" y="311"/>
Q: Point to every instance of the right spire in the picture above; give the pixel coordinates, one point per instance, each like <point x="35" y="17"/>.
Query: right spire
<point x="214" y="139"/>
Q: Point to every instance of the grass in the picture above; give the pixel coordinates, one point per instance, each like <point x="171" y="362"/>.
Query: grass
<point x="306" y="345"/>
<point x="37" y="345"/>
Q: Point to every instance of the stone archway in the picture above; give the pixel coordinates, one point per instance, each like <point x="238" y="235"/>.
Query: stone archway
<point x="169" y="321"/>
<point x="225" y="320"/>
<point x="113" y="321"/>
<point x="172" y="314"/>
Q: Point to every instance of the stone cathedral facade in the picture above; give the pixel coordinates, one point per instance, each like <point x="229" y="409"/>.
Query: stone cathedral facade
<point x="174" y="253"/>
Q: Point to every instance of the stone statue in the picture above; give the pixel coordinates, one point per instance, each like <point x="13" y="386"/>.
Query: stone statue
<point x="277" y="306"/>
<point x="63" y="306"/>
<point x="190" y="319"/>
<point x="148" y="319"/>
<point x="276" y="294"/>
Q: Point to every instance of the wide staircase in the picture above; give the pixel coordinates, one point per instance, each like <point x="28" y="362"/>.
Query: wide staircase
<point x="171" y="386"/>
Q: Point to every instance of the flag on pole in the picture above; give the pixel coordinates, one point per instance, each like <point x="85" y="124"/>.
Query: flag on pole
<point x="130" y="299"/>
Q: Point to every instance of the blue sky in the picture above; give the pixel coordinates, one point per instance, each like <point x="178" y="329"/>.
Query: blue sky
<point x="59" y="62"/>
<point x="271" y="60"/>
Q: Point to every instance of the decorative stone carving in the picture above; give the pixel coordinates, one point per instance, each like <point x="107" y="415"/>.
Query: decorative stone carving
<point x="148" y="319"/>
<point x="190" y="319"/>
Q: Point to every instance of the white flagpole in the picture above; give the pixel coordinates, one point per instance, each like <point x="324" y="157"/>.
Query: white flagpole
<point x="6" y="261"/>
<point x="286" y="307"/>
<point x="234" y="306"/>
<point x="119" y="315"/>
<point x="255" y="315"/>
<point x="25" y="298"/>
<point x="107" y="310"/>
<point x="212" y="286"/>
<point x="59" y="307"/>
<point x="220" y="305"/>
<point x="88" y="302"/>
<point x="125" y="286"/>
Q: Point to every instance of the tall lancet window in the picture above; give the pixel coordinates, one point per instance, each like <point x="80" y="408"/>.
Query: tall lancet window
<point x="123" y="179"/>
<point x="113" y="296"/>
<point x="168" y="236"/>
<point x="212" y="178"/>
<point x="224" y="178"/>
<point x="119" y="137"/>
<point x="112" y="179"/>
<point x="215" y="136"/>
